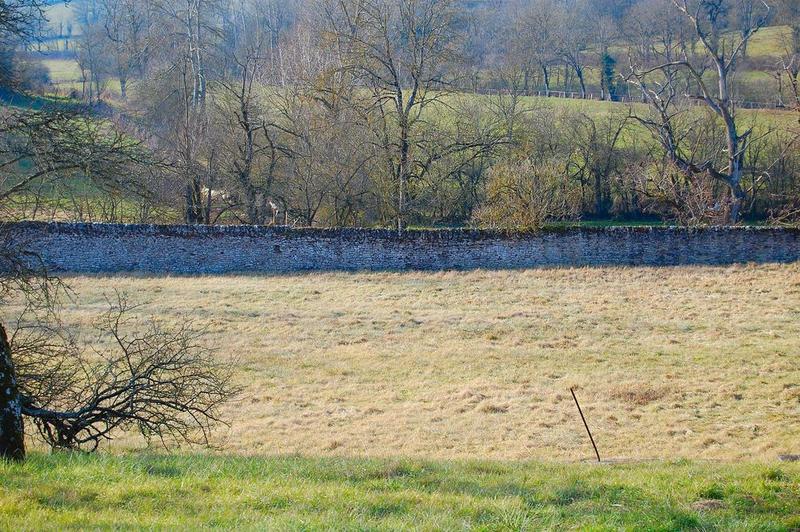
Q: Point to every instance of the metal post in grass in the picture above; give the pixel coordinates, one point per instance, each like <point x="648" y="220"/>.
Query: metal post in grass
<point x="585" y="424"/>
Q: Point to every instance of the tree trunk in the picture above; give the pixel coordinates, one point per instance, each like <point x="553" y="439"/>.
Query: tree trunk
<point x="579" y="73"/>
<point x="12" y="433"/>
<point x="736" y="144"/>
<point x="600" y="202"/>
<point x="403" y="171"/>
<point x="546" y="75"/>
<point x="194" y="202"/>
<point x="253" y="212"/>
<point x="739" y="197"/>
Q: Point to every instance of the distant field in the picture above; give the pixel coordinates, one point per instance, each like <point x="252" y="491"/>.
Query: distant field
<point x="65" y="75"/>
<point x="62" y="70"/>
<point x="60" y="13"/>
<point x="295" y="493"/>
<point x="669" y="363"/>
<point x="769" y="42"/>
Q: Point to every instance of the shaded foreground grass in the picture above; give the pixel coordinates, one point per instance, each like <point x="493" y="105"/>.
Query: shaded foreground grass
<point x="168" y="492"/>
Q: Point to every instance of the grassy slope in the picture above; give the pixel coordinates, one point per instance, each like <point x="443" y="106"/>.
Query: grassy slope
<point x="62" y="70"/>
<point x="61" y="492"/>
<point x="769" y="42"/>
<point x="668" y="363"/>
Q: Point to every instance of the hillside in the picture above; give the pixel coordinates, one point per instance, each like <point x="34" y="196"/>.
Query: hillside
<point x="757" y="81"/>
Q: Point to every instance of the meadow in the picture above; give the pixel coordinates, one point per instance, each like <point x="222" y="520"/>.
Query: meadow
<point x="691" y="362"/>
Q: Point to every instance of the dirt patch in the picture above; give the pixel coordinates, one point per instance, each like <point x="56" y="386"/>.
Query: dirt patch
<point x="707" y="505"/>
<point x="471" y="395"/>
<point x="491" y="408"/>
<point x="638" y="394"/>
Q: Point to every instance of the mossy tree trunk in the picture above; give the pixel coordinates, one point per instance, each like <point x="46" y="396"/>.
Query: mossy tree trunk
<point x="12" y="434"/>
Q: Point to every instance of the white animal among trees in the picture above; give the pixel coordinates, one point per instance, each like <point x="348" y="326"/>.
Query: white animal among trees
<point x="215" y="195"/>
<point x="275" y="210"/>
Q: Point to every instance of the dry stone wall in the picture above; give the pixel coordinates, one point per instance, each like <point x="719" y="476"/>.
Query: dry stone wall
<point x="112" y="248"/>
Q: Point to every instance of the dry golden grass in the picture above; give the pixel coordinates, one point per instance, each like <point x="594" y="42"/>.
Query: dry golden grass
<point x="675" y="362"/>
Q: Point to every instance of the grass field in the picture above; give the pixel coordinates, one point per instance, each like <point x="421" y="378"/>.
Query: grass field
<point x="669" y="363"/>
<point x="190" y="492"/>
<point x="62" y="70"/>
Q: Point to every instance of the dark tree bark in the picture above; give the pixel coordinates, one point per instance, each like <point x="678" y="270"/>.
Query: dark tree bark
<point x="546" y="75"/>
<point x="12" y="433"/>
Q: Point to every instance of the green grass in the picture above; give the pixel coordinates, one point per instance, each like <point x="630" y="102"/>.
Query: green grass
<point x="62" y="70"/>
<point x="769" y="42"/>
<point x="186" y="492"/>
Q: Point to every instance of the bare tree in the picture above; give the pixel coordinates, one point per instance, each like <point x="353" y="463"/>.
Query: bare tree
<point x="54" y="146"/>
<point x="534" y="44"/>
<point x="317" y="113"/>
<point x="21" y="277"/>
<point x="596" y="157"/>
<point x="91" y="56"/>
<point x="745" y="14"/>
<point x="656" y="31"/>
<point x="124" y="25"/>
<point x="402" y="77"/>
<point x="163" y="383"/>
<point x="21" y="20"/>
<point x="184" y="34"/>
<point x="574" y="33"/>
<point x="248" y="139"/>
<point x="707" y="18"/>
<point x="790" y="50"/>
<point x="403" y="54"/>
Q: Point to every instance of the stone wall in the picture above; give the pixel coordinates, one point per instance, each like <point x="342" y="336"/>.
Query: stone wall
<point x="109" y="248"/>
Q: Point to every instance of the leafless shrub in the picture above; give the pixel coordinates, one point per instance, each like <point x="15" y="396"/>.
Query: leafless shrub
<point x="787" y="215"/>
<point x="685" y="200"/>
<point x="523" y="194"/>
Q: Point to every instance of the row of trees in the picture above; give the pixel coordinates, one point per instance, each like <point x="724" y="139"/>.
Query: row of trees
<point x="535" y="45"/>
<point x="352" y="112"/>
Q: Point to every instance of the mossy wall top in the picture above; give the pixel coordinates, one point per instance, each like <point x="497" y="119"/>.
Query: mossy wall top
<point x="116" y="248"/>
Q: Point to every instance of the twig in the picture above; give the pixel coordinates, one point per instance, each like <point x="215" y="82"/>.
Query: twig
<point x="585" y="424"/>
